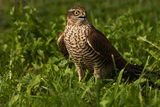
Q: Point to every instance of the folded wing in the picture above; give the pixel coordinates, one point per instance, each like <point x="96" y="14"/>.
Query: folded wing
<point x="61" y="45"/>
<point x="98" y="42"/>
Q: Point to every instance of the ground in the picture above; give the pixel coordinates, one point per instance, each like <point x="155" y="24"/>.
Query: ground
<point x="34" y="73"/>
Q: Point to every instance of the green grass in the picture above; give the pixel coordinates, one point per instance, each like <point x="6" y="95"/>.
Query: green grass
<point x="34" y="73"/>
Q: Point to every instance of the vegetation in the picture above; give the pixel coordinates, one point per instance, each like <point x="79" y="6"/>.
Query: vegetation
<point x="34" y="73"/>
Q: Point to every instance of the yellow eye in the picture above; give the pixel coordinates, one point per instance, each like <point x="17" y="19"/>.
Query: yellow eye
<point x="76" y="13"/>
<point x="83" y="13"/>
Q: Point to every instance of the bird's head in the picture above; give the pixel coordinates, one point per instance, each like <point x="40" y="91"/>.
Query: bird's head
<point x="76" y="16"/>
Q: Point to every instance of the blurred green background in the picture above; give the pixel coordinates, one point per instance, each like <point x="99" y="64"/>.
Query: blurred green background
<point x="34" y="73"/>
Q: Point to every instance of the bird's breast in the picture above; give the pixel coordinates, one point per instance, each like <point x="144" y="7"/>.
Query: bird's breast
<point x="76" y="43"/>
<point x="76" y="40"/>
<point x="76" y="37"/>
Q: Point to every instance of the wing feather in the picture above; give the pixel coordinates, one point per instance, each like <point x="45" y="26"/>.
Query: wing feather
<point x="61" y="45"/>
<point x="98" y="42"/>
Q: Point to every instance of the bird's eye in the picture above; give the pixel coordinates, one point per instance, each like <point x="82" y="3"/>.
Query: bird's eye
<point x="76" y="13"/>
<point x="84" y="13"/>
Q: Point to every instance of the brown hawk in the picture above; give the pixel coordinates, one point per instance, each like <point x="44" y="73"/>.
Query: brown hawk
<point x="88" y="47"/>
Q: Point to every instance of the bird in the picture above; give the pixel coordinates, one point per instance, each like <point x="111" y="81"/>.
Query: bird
<point x="88" y="48"/>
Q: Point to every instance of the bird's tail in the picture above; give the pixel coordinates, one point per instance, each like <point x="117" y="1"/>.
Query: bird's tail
<point x="133" y="71"/>
<point x="136" y="69"/>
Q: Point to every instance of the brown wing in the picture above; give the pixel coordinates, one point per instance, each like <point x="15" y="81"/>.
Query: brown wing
<point x="102" y="46"/>
<point x="61" y="45"/>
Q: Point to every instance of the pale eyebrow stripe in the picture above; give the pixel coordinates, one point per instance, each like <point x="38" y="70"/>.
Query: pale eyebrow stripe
<point x="71" y="10"/>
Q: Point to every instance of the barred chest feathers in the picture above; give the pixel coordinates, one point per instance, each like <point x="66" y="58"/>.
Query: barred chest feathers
<point x="76" y="43"/>
<point x="75" y="36"/>
<point x="76" y="40"/>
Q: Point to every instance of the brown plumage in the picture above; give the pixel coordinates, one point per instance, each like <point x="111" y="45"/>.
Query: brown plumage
<point x="88" y="47"/>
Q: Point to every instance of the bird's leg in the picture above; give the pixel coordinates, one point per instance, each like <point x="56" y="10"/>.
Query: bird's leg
<point x="80" y="70"/>
<point x="96" y="74"/>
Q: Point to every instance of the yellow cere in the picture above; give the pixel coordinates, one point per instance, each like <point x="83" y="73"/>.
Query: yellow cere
<point x="76" y="12"/>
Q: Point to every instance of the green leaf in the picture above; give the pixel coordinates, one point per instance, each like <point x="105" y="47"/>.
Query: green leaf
<point x="55" y="67"/>
<point x="13" y="100"/>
